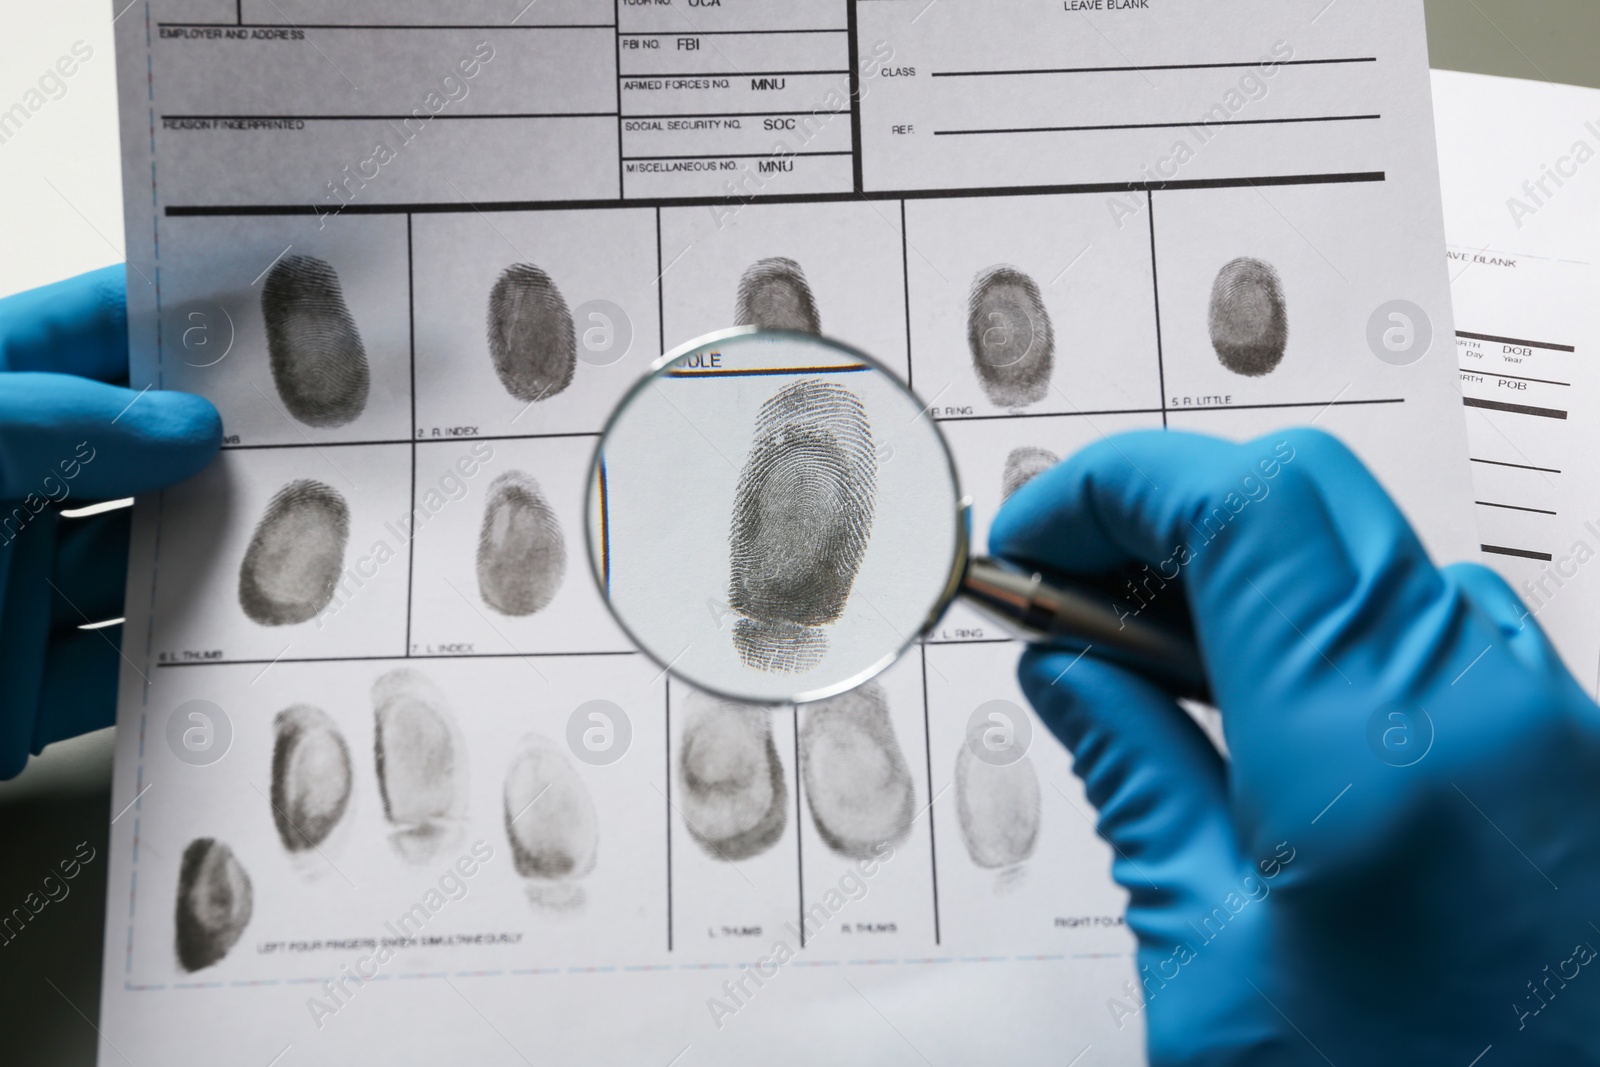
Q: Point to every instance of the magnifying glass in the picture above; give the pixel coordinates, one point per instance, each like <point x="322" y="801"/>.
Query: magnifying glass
<point x="775" y="518"/>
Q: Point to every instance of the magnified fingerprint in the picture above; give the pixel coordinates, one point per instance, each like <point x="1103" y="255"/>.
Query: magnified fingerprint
<point x="998" y="809"/>
<point x="550" y="821"/>
<point x="858" y="785"/>
<point x="1008" y="330"/>
<point x="1023" y="465"/>
<point x="774" y="295"/>
<point x="318" y="363"/>
<point x="531" y="338"/>
<point x="802" y="516"/>
<point x="292" y="565"/>
<point x="734" y="796"/>
<point x="521" y="553"/>
<point x="422" y="763"/>
<point x="1249" y="321"/>
<point x="311" y="776"/>
<point x="214" y="903"/>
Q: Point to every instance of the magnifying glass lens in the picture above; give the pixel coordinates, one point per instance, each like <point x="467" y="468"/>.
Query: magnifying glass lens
<point x="773" y="517"/>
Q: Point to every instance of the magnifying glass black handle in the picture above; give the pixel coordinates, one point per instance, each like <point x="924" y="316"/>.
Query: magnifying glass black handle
<point x="1044" y="611"/>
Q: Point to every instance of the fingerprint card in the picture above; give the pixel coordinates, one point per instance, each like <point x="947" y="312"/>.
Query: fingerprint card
<point x="394" y="781"/>
<point x="1020" y="862"/>
<point x="1031" y="305"/>
<point x="531" y="323"/>
<point x="1266" y="296"/>
<point x="292" y="553"/>
<point x="503" y="563"/>
<point x="833" y="269"/>
<point x="298" y="334"/>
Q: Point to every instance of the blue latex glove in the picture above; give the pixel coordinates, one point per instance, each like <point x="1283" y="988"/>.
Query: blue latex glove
<point x="1310" y="899"/>
<point x="72" y="434"/>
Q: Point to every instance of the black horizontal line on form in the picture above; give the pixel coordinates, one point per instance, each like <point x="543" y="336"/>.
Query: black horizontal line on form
<point x="730" y="155"/>
<point x="720" y="33"/>
<point x="753" y="372"/>
<point x="376" y="26"/>
<point x="1153" y="66"/>
<point x="1171" y="410"/>
<point x="1518" y="466"/>
<point x="428" y="208"/>
<point x="1513" y="507"/>
<point x="1513" y="341"/>
<point x="1515" y="409"/>
<point x="1295" y="404"/>
<point x="1158" y="125"/>
<point x="365" y="659"/>
<point x="1521" y="553"/>
<point x="389" y="118"/>
<point x="441" y="440"/>
<point x="735" y="73"/>
<point x="1513" y="377"/>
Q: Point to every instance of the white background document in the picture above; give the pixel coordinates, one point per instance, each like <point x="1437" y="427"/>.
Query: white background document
<point x="309" y="176"/>
<point x="1518" y="162"/>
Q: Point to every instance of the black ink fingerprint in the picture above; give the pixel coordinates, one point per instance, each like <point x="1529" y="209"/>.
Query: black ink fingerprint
<point x="318" y="363"/>
<point x="1008" y="330"/>
<point x="998" y="809"/>
<point x="521" y="553"/>
<point x="531" y="338"/>
<point x="735" y="800"/>
<point x="311" y="776"/>
<point x="550" y="821"/>
<point x="214" y="903"/>
<point x="774" y="295"/>
<point x="1249" y="321"/>
<point x="858" y="785"/>
<point x="292" y="565"/>
<point x="802" y="516"/>
<point x="422" y="764"/>
<point x="1023" y="465"/>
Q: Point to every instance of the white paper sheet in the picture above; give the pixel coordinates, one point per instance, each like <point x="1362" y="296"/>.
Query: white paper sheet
<point x="643" y="157"/>
<point x="1522" y="214"/>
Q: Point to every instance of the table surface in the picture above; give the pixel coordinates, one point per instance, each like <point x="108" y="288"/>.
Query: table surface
<point x="66" y="171"/>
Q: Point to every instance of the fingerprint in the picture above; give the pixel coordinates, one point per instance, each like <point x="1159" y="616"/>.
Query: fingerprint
<point x="858" y="785"/>
<point x="318" y="363"/>
<point x="1008" y="330"/>
<point x="1249" y="323"/>
<point x="773" y="295"/>
<point x="802" y="516"/>
<point x="422" y="769"/>
<point x="214" y="903"/>
<point x="521" y="553"/>
<point x="291" y="568"/>
<point x="734" y="797"/>
<point x="998" y="809"/>
<point x="531" y="339"/>
<point x="310" y="776"/>
<point x="550" y="820"/>
<point x="1023" y="465"/>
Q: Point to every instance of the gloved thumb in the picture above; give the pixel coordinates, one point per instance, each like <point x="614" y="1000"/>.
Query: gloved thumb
<point x="62" y="436"/>
<point x="1159" y="784"/>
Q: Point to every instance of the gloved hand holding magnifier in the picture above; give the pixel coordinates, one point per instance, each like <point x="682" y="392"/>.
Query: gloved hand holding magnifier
<point x="774" y="517"/>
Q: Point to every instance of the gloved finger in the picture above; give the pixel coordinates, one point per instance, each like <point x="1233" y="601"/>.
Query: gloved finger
<point x="64" y="437"/>
<point x="25" y="555"/>
<point x="1491" y="595"/>
<point x="78" y="692"/>
<point x="77" y="326"/>
<point x="1375" y="532"/>
<point x="91" y="568"/>
<point x="1249" y="539"/>
<point x="1135" y="498"/>
<point x="1159" y="784"/>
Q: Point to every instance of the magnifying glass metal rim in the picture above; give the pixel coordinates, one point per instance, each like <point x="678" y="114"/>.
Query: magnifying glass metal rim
<point x="877" y="667"/>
